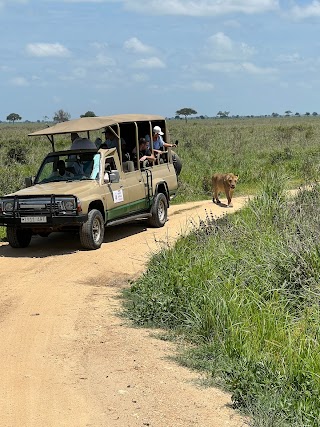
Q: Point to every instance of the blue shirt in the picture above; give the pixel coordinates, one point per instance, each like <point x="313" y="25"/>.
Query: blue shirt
<point x="158" y="143"/>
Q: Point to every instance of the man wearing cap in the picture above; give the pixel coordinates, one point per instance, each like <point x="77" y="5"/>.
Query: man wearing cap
<point x="158" y="142"/>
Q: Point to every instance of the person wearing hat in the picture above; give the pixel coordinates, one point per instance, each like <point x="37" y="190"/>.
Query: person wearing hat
<point x="158" y="142"/>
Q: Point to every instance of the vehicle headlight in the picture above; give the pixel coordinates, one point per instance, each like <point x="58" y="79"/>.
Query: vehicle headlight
<point x="8" y="205"/>
<point x="69" y="205"/>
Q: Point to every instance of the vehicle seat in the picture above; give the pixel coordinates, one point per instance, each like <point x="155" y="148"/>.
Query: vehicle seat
<point x="128" y="166"/>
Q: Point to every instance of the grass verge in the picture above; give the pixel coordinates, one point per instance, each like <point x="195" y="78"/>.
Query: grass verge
<point x="244" y="290"/>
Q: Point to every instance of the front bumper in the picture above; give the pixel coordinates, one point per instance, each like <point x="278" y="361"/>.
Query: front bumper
<point x="50" y="221"/>
<point x="45" y="212"/>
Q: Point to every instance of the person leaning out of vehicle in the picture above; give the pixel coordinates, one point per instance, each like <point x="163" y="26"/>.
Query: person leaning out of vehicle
<point x="158" y="143"/>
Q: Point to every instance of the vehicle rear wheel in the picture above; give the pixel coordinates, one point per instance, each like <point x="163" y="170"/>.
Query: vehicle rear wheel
<point x="92" y="231"/>
<point x="159" y="211"/>
<point x="19" y="237"/>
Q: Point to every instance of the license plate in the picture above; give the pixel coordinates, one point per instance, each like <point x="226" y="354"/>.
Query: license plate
<point x="33" y="219"/>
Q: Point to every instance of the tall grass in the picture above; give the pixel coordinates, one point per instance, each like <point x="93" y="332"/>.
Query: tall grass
<point x="248" y="147"/>
<point x="244" y="291"/>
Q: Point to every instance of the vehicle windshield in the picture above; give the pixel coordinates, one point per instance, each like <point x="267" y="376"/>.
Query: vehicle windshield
<point x="69" y="167"/>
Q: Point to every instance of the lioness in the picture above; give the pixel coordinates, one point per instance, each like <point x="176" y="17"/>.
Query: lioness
<point x="223" y="182"/>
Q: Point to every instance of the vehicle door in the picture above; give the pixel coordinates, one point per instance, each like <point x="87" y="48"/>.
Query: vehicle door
<point x="137" y="189"/>
<point x="115" y="189"/>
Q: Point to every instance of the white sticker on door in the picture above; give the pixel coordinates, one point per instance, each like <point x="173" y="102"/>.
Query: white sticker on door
<point x="117" y="196"/>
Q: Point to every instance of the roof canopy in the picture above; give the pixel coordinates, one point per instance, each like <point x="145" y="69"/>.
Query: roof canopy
<point x="94" y="123"/>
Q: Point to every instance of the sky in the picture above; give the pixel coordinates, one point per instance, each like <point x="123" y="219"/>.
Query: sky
<point x="245" y="57"/>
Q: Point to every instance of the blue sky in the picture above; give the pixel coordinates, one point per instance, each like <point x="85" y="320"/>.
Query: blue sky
<point x="158" y="56"/>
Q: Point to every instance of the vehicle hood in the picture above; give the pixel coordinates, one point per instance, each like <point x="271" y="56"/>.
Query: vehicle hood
<point x="80" y="188"/>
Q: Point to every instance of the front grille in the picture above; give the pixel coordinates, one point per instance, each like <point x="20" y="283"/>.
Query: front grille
<point x="43" y="205"/>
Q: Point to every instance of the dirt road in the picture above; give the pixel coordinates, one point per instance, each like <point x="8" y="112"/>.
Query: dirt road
<point x="68" y="359"/>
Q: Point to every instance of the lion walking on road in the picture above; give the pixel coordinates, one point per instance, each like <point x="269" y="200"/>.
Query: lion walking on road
<point x="223" y="182"/>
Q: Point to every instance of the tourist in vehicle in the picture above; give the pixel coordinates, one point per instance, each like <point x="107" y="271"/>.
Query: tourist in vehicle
<point x="158" y="143"/>
<point x="112" y="141"/>
<point x="80" y="143"/>
<point x="146" y="157"/>
<point x="61" y="171"/>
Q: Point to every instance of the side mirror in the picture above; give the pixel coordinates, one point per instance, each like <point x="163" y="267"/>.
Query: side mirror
<point x="114" y="176"/>
<point x="177" y="142"/>
<point x="28" y="181"/>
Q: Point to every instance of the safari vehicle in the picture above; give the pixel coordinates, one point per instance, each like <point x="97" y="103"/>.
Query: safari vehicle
<point x="98" y="188"/>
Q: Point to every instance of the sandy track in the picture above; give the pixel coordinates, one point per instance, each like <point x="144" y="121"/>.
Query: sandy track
<point x="68" y="359"/>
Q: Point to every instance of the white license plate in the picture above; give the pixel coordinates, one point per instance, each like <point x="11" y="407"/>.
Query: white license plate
<point x="33" y="219"/>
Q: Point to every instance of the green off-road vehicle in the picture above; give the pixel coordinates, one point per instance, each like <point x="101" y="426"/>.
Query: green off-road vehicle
<point x="88" y="189"/>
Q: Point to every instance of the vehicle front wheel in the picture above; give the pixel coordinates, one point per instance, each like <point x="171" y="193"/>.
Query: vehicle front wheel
<point x="19" y="237"/>
<point x="92" y="231"/>
<point x="159" y="211"/>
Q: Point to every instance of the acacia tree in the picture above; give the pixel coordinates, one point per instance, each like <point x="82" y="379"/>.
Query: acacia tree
<point x="13" y="117"/>
<point x="223" y="114"/>
<point x="61" y="116"/>
<point x="88" y="114"/>
<point x="186" y="112"/>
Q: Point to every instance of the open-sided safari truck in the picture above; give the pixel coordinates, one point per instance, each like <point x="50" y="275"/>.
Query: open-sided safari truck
<point x="97" y="187"/>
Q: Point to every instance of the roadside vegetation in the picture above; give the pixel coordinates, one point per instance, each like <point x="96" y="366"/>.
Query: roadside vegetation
<point x="243" y="291"/>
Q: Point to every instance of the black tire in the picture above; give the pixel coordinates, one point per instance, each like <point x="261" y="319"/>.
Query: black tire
<point x="19" y="237"/>
<point x="177" y="163"/>
<point x="159" y="211"/>
<point x="92" y="231"/>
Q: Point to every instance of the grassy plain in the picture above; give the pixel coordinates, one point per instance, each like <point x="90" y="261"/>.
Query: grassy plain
<point x="243" y="291"/>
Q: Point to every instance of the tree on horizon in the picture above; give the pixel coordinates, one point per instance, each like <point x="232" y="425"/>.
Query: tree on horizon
<point x="13" y="117"/>
<point x="186" y="112"/>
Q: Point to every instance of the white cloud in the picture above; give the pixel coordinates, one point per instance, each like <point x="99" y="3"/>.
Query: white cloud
<point x="42" y="50"/>
<point x="201" y="86"/>
<point x="135" y="45"/>
<point x="4" y="68"/>
<point x="19" y="81"/>
<point x="221" y="41"/>
<point x="223" y="48"/>
<point x="308" y="11"/>
<point x="192" y="7"/>
<point x="152" y="62"/>
<point x="253" y="69"/>
<point x="231" y="67"/>
<point x="201" y="7"/>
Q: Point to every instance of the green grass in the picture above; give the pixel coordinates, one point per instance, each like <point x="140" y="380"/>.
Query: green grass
<point x="244" y="291"/>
